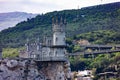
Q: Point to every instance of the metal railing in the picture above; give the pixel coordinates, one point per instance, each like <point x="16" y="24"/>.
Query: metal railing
<point x="94" y="52"/>
<point x="55" y="58"/>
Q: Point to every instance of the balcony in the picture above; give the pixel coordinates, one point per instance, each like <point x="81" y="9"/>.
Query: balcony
<point x="51" y="59"/>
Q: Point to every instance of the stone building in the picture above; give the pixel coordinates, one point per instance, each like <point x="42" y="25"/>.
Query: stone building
<point x="50" y="55"/>
<point x="40" y="61"/>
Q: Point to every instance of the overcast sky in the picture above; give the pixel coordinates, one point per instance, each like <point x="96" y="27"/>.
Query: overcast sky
<point x="43" y="6"/>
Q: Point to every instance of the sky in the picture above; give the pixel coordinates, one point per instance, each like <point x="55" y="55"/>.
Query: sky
<point x="44" y="6"/>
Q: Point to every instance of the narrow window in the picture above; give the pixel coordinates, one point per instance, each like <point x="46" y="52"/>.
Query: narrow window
<point x="64" y="39"/>
<point x="56" y="53"/>
<point x="50" y="42"/>
<point x="56" y="39"/>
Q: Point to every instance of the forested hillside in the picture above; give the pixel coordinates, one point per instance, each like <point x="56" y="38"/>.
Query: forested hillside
<point x="85" y="20"/>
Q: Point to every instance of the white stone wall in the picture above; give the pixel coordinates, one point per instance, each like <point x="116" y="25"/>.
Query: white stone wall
<point x="59" y="38"/>
<point x="59" y="52"/>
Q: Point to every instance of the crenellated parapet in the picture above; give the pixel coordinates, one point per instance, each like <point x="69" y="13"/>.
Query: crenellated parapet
<point x="58" y="25"/>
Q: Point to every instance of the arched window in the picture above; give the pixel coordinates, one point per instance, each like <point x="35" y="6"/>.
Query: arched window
<point x="56" y="52"/>
<point x="64" y="52"/>
<point x="50" y="42"/>
<point x="56" y="39"/>
<point x="64" y="39"/>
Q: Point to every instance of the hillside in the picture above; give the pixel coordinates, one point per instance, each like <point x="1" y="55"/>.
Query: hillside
<point x="10" y="19"/>
<point x="89" y="19"/>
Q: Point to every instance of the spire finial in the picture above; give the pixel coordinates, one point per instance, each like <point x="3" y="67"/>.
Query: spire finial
<point x="65" y="21"/>
<point x="56" y="20"/>
<point x="27" y="40"/>
<point x="61" y="20"/>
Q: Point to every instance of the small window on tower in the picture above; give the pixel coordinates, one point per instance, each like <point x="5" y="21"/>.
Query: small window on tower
<point x="64" y="52"/>
<point x="50" y="42"/>
<point x="56" y="39"/>
<point x="56" y="53"/>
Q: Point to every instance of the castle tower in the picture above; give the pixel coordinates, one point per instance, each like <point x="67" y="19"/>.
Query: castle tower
<point x="59" y="32"/>
<point x="59" y="44"/>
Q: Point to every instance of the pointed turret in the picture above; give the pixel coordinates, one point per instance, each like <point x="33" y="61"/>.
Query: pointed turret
<point x="27" y="45"/>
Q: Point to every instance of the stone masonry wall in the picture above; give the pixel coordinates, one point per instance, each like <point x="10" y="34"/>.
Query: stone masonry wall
<point x="33" y="70"/>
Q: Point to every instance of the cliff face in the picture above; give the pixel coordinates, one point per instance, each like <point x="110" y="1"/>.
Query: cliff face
<point x="30" y="70"/>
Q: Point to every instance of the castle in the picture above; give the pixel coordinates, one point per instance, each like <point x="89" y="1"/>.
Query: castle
<point x="52" y="48"/>
<point x="51" y="55"/>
